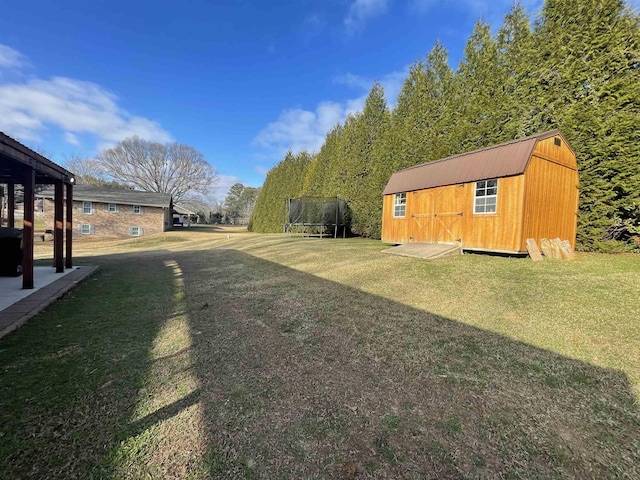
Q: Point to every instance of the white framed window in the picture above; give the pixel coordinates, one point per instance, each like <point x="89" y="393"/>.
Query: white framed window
<point x="399" y="204"/>
<point x="86" y="229"/>
<point x="112" y="208"/>
<point x="136" y="209"/>
<point x="87" y="208"/>
<point x="135" y="231"/>
<point x="486" y="198"/>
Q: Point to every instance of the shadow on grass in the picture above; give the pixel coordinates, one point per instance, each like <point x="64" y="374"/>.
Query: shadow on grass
<point x="305" y="377"/>
<point x="210" y="228"/>
<point x="296" y="377"/>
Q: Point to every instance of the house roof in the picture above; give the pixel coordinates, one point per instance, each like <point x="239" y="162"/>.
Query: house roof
<point x="182" y="210"/>
<point x="14" y="157"/>
<point x="503" y="160"/>
<point x="123" y="196"/>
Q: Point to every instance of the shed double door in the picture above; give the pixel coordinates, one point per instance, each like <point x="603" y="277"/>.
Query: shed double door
<point x="437" y="215"/>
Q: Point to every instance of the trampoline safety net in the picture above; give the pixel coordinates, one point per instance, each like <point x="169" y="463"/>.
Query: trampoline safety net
<point x="316" y="216"/>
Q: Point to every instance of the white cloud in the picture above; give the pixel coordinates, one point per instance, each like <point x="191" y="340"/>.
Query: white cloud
<point x="10" y="58"/>
<point x="71" y="139"/>
<point x="298" y="129"/>
<point x="352" y="80"/>
<point x="362" y="10"/>
<point x="219" y="192"/>
<point x="30" y="107"/>
<point x="391" y="83"/>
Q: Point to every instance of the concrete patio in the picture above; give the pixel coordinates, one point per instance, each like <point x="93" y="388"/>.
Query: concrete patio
<point x="18" y="305"/>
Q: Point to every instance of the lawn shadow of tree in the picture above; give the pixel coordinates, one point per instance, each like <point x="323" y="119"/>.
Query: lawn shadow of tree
<point x="303" y="377"/>
<point x="287" y="375"/>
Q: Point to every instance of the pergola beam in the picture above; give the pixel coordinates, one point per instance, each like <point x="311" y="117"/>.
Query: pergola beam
<point x="69" y="227"/>
<point x="20" y="164"/>
<point x="27" y="229"/>
<point x="58" y="235"/>
<point x="11" y="204"/>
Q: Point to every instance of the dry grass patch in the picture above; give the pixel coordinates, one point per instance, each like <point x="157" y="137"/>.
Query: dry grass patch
<point x="250" y="356"/>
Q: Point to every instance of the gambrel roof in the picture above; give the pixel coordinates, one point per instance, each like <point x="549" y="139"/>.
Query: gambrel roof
<point x="503" y="160"/>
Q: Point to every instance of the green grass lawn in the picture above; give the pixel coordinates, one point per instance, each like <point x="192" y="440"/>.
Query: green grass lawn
<point x="221" y="354"/>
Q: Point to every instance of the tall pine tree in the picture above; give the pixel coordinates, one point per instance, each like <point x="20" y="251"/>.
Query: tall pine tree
<point x="589" y="72"/>
<point x="283" y="181"/>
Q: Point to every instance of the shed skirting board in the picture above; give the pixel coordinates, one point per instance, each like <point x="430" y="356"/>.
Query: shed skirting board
<point x="465" y="249"/>
<point x="487" y="250"/>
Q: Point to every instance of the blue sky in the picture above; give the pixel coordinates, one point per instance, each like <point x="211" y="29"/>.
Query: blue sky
<point x="240" y="80"/>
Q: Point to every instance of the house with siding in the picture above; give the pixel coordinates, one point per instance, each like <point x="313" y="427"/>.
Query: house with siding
<point x="100" y="211"/>
<point x="492" y="199"/>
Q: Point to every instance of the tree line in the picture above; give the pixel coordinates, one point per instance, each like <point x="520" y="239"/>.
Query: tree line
<point x="577" y="69"/>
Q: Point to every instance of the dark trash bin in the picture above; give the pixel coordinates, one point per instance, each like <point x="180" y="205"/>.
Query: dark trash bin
<point x="10" y="252"/>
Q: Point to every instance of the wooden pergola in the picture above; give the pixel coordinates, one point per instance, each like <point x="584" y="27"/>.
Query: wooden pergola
<point x="19" y="165"/>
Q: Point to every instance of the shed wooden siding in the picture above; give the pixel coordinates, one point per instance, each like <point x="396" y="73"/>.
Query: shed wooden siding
<point x="445" y="215"/>
<point x="551" y="194"/>
<point x="540" y="201"/>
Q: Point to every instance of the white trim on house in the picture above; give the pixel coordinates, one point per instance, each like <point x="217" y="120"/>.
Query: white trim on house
<point x="135" y="231"/>
<point x="112" y="207"/>
<point x="86" y="229"/>
<point x="486" y="197"/>
<point x="400" y="205"/>
<point x="84" y="208"/>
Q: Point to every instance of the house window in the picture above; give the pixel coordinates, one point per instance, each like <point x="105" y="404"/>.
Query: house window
<point x="486" y="196"/>
<point x="399" y="204"/>
<point x="135" y="231"/>
<point x="136" y="209"/>
<point x="87" y="208"/>
<point x="112" y="208"/>
<point x="86" y="229"/>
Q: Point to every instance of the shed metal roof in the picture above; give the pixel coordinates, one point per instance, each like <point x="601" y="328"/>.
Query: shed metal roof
<point x="91" y="193"/>
<point x="503" y="160"/>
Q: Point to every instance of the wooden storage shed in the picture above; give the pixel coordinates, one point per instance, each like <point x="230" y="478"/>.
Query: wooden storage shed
<point x="491" y="199"/>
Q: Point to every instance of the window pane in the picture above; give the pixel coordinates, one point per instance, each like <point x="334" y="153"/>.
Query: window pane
<point x="492" y="191"/>
<point x="492" y="183"/>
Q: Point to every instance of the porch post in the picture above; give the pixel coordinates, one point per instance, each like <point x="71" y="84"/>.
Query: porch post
<point x="27" y="232"/>
<point x="58" y="235"/>
<point x="11" y="204"/>
<point x="69" y="226"/>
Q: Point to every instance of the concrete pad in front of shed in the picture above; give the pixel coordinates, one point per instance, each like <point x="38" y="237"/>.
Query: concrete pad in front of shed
<point x="425" y="250"/>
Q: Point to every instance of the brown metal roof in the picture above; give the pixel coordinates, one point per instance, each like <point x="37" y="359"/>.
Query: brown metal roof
<point x="506" y="159"/>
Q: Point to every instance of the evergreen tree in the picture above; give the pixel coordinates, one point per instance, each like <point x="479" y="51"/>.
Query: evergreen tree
<point x="317" y="182"/>
<point x="283" y="181"/>
<point x="425" y="113"/>
<point x="366" y="174"/>
<point x="516" y="56"/>
<point x="482" y="97"/>
<point x="590" y="88"/>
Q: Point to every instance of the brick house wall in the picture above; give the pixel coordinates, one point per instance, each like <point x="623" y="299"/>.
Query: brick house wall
<point x="104" y="223"/>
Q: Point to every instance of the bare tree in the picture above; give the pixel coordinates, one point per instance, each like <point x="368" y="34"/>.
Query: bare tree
<point x="155" y="167"/>
<point x="86" y="171"/>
